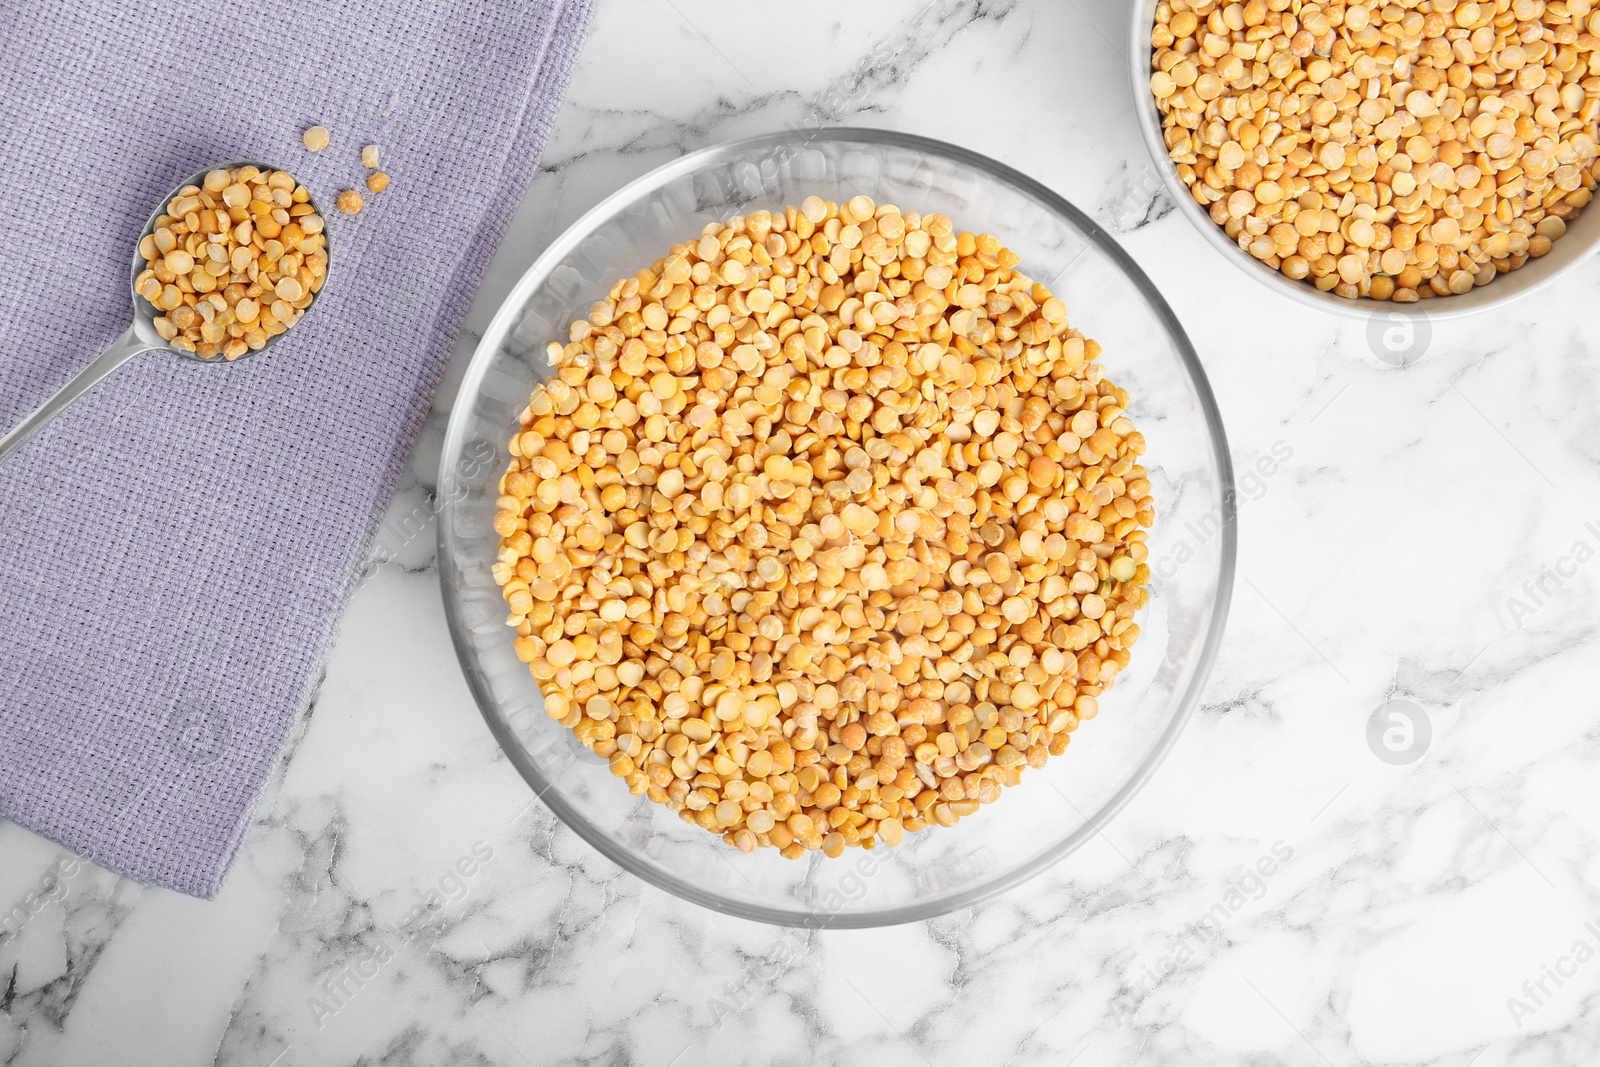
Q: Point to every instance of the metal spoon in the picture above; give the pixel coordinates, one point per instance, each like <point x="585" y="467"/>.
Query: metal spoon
<point x="141" y="336"/>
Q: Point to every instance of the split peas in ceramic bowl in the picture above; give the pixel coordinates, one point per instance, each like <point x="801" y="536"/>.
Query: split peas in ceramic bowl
<point x="1392" y="152"/>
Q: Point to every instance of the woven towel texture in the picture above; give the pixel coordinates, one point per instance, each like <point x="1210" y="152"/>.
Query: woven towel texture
<point x="175" y="548"/>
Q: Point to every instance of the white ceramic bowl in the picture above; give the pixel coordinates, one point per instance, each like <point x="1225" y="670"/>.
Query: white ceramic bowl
<point x="1581" y="239"/>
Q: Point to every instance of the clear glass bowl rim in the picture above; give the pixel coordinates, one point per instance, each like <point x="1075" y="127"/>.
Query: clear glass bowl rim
<point x="484" y="356"/>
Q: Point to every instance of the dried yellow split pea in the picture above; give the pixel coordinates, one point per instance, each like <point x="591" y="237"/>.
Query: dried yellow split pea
<point x="825" y="526"/>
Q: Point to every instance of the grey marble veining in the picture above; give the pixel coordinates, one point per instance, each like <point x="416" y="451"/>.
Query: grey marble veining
<point x="1425" y="537"/>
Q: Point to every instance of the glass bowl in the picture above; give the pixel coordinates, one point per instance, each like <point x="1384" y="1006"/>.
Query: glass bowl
<point x="1054" y="809"/>
<point x="1565" y="255"/>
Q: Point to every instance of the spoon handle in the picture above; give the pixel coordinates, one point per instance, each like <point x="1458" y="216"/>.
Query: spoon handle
<point x="116" y="354"/>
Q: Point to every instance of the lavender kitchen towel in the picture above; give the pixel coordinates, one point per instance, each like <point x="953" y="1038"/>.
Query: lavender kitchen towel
<point x="174" y="550"/>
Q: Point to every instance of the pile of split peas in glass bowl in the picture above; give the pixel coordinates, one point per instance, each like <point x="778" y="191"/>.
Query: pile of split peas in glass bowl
<point x="1058" y="802"/>
<point x="827" y="527"/>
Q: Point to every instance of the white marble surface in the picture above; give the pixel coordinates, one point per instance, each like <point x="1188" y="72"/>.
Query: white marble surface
<point x="1378" y="562"/>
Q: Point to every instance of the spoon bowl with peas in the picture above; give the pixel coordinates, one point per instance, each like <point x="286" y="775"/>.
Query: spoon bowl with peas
<point x="231" y="259"/>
